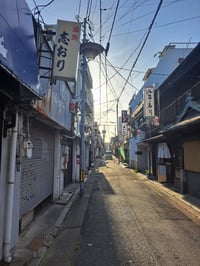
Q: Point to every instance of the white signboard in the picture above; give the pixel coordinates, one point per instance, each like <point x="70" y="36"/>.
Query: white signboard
<point x="149" y="110"/>
<point x="66" y="54"/>
<point x="124" y="129"/>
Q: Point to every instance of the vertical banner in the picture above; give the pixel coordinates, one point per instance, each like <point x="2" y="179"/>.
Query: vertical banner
<point x="66" y="54"/>
<point x="149" y="110"/>
<point x="124" y="116"/>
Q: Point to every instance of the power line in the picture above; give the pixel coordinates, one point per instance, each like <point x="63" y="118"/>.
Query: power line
<point x="43" y="6"/>
<point x="162" y="25"/>
<point x="118" y="72"/>
<point x="89" y="6"/>
<point x="37" y="11"/>
<point x="108" y="43"/>
<point x="145" y="40"/>
<point x="79" y="10"/>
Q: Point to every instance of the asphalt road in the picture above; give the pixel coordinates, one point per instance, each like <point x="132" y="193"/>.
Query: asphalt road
<point x="127" y="223"/>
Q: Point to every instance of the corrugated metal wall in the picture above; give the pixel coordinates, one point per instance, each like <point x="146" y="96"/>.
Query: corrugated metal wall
<point x="37" y="172"/>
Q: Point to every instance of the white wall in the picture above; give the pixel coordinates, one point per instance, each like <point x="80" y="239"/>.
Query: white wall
<point x="58" y="177"/>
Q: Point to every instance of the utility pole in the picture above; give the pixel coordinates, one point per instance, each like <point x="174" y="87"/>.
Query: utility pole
<point x="88" y="50"/>
<point x="117" y="114"/>
<point x="82" y="126"/>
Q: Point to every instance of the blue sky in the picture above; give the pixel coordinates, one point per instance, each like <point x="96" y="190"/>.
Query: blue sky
<point x="177" y="21"/>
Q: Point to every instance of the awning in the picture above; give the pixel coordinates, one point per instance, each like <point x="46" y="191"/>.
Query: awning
<point x="184" y="124"/>
<point x="156" y="138"/>
<point x="15" y="88"/>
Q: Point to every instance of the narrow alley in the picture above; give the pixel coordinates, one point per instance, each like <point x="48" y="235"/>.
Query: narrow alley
<point x="126" y="223"/>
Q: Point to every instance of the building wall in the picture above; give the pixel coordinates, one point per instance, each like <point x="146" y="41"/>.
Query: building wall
<point x="76" y="160"/>
<point x="16" y="28"/>
<point x="40" y="176"/>
<point x="169" y="59"/>
<point x="132" y="151"/>
<point x="192" y="166"/>
<point x="193" y="182"/>
<point x="167" y="63"/>
<point x="137" y="160"/>
<point x="142" y="158"/>
<point x="179" y="109"/>
<point x="58" y="176"/>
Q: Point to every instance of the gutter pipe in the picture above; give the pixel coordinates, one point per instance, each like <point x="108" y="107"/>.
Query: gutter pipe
<point x="10" y="194"/>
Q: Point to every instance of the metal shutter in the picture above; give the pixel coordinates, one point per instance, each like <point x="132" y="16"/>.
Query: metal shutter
<point x="37" y="172"/>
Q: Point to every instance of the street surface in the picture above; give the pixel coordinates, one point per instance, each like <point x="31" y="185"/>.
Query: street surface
<point x="126" y="223"/>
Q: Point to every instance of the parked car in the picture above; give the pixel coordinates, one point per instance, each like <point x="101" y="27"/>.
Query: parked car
<point x="108" y="155"/>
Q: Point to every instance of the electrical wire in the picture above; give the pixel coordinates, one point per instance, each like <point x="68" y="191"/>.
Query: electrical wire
<point x="113" y="91"/>
<point x="160" y="26"/>
<point x="46" y="5"/>
<point x="108" y="43"/>
<point x="117" y="72"/>
<point x="134" y="7"/>
<point x="79" y="11"/>
<point x="89" y="7"/>
<point x="142" y="47"/>
<point x="106" y="19"/>
<point x="37" y="11"/>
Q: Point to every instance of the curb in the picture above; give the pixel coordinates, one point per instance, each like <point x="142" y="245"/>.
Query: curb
<point x="24" y="256"/>
<point x="176" y="199"/>
<point x="54" y="232"/>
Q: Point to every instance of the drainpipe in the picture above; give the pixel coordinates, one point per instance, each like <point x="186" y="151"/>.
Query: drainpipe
<point x="10" y="193"/>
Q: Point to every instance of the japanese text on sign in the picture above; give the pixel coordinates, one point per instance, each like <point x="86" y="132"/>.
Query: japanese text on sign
<point x="66" y="50"/>
<point x="124" y="129"/>
<point x="149" y="102"/>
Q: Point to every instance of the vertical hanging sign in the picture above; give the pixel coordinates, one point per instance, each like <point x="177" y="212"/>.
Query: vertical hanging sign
<point x="149" y="110"/>
<point x="66" y="53"/>
<point x="124" y="129"/>
<point x="124" y="122"/>
<point x="124" y="116"/>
